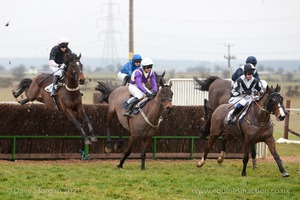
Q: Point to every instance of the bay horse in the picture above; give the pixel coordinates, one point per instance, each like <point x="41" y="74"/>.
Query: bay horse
<point x="255" y="127"/>
<point x="218" y="93"/>
<point x="68" y="99"/>
<point x="141" y="126"/>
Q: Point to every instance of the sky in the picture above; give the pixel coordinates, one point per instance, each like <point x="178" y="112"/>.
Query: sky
<point x="163" y="29"/>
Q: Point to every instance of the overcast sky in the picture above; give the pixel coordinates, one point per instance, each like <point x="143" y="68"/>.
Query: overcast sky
<point x="163" y="29"/>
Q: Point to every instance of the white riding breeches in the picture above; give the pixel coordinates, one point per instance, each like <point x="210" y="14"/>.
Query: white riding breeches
<point x="240" y="99"/>
<point x="56" y="71"/>
<point x="121" y="76"/>
<point x="135" y="91"/>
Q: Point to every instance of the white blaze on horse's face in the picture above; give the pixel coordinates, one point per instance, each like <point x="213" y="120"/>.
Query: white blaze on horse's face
<point x="281" y="111"/>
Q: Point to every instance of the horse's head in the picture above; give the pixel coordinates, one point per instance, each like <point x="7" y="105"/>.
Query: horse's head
<point x="275" y="102"/>
<point x="165" y="95"/>
<point x="75" y="67"/>
<point x="160" y="77"/>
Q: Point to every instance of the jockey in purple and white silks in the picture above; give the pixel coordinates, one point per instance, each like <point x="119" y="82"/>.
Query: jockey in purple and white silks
<point x="244" y="90"/>
<point x="137" y="89"/>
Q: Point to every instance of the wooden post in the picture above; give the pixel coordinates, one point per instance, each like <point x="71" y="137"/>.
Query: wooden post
<point x="287" y="120"/>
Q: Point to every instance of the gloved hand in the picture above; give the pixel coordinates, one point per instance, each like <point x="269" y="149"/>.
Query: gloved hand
<point x="247" y="92"/>
<point x="256" y="98"/>
<point x="154" y="94"/>
<point x="148" y="94"/>
<point x="255" y="92"/>
<point x="62" y="66"/>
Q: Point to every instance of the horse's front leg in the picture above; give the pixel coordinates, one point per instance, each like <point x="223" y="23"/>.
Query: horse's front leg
<point x="245" y="157"/>
<point x="143" y="152"/>
<point x="208" y="147"/>
<point x="131" y="142"/>
<point x="222" y="154"/>
<point x="253" y="155"/>
<point x="72" y="118"/>
<point x="271" y="144"/>
<point x="88" y="122"/>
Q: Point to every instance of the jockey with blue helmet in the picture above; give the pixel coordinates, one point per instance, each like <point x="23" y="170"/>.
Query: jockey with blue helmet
<point x="127" y="69"/>
<point x="240" y="71"/>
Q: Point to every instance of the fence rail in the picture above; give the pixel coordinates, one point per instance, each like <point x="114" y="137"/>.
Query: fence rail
<point x="155" y="154"/>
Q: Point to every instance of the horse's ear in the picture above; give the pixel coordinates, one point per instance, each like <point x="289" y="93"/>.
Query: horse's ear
<point x="163" y="74"/>
<point x="170" y="84"/>
<point x="79" y="56"/>
<point x="278" y="88"/>
<point x="161" y="83"/>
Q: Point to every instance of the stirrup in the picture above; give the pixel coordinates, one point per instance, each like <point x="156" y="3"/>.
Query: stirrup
<point x="127" y="114"/>
<point x="53" y="93"/>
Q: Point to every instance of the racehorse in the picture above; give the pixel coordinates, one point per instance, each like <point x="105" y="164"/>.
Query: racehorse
<point x="141" y="126"/>
<point x="68" y="99"/>
<point x="218" y="93"/>
<point x="256" y="126"/>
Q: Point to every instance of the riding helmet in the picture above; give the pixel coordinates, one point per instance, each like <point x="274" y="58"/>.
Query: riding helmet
<point x="248" y="68"/>
<point x="136" y="57"/>
<point x="63" y="41"/>
<point x="252" y="60"/>
<point x="147" y="62"/>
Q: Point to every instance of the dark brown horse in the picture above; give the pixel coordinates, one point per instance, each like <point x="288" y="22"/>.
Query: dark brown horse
<point x="255" y="127"/>
<point x="141" y="126"/>
<point x="218" y="93"/>
<point x="68" y="99"/>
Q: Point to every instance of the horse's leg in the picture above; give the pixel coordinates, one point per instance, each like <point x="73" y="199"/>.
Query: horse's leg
<point x="108" y="146"/>
<point x="143" y="152"/>
<point x="253" y="155"/>
<point x="120" y="144"/>
<point x="208" y="147"/>
<point x="271" y="144"/>
<point x="131" y="142"/>
<point x="71" y="117"/>
<point x="83" y="114"/>
<point x="245" y="157"/>
<point x="204" y="130"/>
<point x="222" y="154"/>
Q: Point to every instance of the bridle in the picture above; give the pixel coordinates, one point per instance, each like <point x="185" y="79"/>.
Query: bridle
<point x="74" y="74"/>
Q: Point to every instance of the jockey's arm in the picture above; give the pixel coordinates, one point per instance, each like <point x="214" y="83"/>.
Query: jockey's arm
<point x="138" y="82"/>
<point x="153" y="82"/>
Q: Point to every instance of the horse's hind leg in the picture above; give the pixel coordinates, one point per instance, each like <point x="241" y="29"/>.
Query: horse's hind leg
<point x="108" y="146"/>
<point x="271" y="144"/>
<point x="131" y="142"/>
<point x="118" y="147"/>
<point x="143" y="152"/>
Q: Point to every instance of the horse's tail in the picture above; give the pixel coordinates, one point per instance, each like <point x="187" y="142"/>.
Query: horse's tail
<point x="23" y="85"/>
<point x="203" y="85"/>
<point x="105" y="89"/>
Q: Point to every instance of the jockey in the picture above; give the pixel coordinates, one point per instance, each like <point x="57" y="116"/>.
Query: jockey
<point x="245" y="89"/>
<point x="240" y="71"/>
<point x="56" y="61"/>
<point x="137" y="88"/>
<point x="126" y="71"/>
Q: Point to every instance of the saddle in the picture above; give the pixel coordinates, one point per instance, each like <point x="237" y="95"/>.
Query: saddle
<point x="49" y="88"/>
<point x="240" y="116"/>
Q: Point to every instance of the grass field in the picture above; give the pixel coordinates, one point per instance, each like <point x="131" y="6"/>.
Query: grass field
<point x="167" y="179"/>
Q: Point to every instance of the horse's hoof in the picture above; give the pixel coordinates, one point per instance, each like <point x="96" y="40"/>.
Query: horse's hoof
<point x="220" y="160"/>
<point x="119" y="166"/>
<point x="200" y="164"/>
<point x="93" y="139"/>
<point x="87" y="142"/>
<point x="285" y="174"/>
<point x="108" y="150"/>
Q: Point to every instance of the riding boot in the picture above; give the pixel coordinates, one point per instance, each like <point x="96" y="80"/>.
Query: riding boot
<point x="232" y="114"/>
<point x="23" y="101"/>
<point x="126" y="80"/>
<point x="129" y="106"/>
<point x="140" y="104"/>
<point x="54" y="89"/>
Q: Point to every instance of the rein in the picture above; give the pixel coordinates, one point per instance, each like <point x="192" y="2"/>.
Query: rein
<point x="147" y="120"/>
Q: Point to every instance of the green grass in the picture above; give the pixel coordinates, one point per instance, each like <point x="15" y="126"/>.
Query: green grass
<point x="161" y="180"/>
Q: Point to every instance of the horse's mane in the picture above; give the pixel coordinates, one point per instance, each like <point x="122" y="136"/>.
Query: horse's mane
<point x="106" y="89"/>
